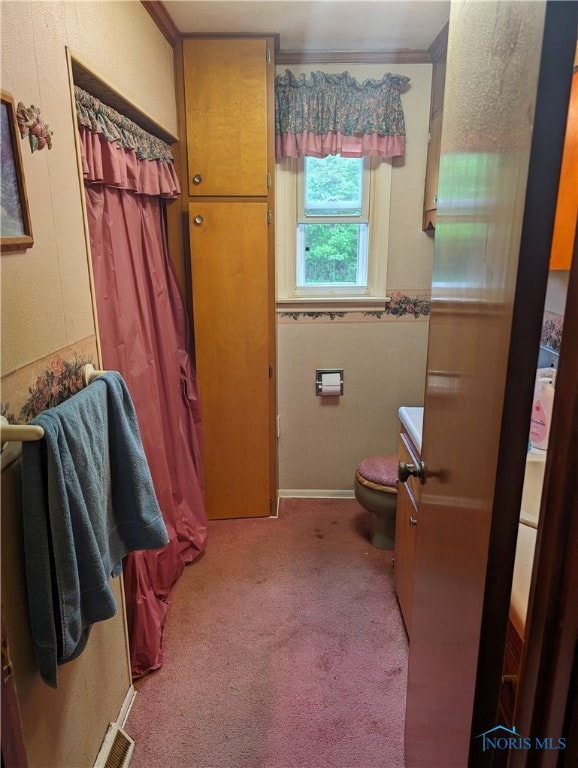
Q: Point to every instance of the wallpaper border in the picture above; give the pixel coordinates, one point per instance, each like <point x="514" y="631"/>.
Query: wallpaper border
<point x="46" y="382"/>
<point x="403" y="305"/>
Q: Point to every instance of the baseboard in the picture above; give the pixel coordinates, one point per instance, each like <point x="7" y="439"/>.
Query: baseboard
<point x="126" y="707"/>
<point x="314" y="493"/>
<point x="117" y="746"/>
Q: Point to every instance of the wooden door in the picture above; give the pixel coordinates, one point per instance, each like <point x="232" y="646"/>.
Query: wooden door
<point x="226" y="101"/>
<point x="476" y="380"/>
<point x="231" y="303"/>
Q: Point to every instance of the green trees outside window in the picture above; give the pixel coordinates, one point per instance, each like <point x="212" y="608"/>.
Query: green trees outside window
<point x="330" y="251"/>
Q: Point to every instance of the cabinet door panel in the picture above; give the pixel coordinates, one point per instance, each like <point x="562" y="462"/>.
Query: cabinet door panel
<point x="405" y="535"/>
<point x="226" y="113"/>
<point x="567" y="205"/>
<point x="229" y="267"/>
<point x="405" y="553"/>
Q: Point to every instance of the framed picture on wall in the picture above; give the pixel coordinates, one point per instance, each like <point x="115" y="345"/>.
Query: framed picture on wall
<point x="15" y="228"/>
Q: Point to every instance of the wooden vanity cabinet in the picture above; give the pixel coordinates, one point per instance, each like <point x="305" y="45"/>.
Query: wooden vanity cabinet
<point x="406" y="523"/>
<point x="226" y="112"/>
<point x="438" y="52"/>
<point x="510" y="674"/>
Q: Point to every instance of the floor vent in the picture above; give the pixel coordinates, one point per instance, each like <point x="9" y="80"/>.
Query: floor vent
<point x="116" y="750"/>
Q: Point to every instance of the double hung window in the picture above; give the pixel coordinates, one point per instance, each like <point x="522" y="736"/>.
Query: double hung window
<point x="332" y="230"/>
<point x="332" y="223"/>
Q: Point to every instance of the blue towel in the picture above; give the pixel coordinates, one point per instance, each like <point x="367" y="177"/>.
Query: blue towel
<point x="88" y="500"/>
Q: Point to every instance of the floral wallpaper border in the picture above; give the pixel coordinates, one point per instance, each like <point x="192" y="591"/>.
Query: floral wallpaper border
<point x="413" y="305"/>
<point x="552" y="327"/>
<point x="46" y="382"/>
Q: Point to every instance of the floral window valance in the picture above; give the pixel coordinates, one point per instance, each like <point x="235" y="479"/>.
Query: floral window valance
<point x="119" y="153"/>
<point x="99" y="118"/>
<point x="329" y="114"/>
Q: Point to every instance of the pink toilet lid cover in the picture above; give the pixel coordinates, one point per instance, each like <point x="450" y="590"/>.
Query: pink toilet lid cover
<point x="380" y="469"/>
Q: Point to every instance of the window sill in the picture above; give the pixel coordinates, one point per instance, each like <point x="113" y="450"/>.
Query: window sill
<point x="333" y="303"/>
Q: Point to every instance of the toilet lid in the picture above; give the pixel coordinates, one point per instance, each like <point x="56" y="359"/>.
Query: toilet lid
<point x="381" y="470"/>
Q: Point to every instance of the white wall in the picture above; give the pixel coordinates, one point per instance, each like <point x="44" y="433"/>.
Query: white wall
<point x="383" y="359"/>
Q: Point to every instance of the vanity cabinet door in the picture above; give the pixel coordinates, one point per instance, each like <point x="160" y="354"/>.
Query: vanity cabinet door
<point x="405" y="533"/>
<point x="406" y="521"/>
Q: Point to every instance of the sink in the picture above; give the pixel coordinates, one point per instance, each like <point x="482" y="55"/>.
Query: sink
<point x="532" y="490"/>
<point x="412" y="420"/>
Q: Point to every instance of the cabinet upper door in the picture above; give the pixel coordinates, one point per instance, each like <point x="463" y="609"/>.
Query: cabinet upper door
<point x="226" y="103"/>
<point x="567" y="207"/>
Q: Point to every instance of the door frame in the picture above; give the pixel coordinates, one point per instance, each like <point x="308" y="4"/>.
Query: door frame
<point x="547" y="702"/>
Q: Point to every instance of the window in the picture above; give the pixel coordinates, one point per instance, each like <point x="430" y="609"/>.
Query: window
<point x="332" y="224"/>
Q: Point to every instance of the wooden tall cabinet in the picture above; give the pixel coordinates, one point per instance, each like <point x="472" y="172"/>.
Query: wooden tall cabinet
<point x="227" y="167"/>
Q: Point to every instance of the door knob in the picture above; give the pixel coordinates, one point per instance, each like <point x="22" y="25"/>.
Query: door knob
<point x="197" y="178"/>
<point x="198" y="220"/>
<point x="405" y="471"/>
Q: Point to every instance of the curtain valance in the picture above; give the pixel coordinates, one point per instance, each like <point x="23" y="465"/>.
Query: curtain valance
<point x="330" y="114"/>
<point x="118" y="153"/>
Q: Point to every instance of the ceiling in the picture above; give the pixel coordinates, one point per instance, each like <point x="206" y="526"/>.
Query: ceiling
<point x="319" y="25"/>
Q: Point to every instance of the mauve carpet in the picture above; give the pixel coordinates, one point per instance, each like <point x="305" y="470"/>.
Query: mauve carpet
<point x="284" y="648"/>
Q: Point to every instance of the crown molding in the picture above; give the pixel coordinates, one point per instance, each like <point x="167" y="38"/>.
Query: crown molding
<point x="163" y="21"/>
<point x="353" y="57"/>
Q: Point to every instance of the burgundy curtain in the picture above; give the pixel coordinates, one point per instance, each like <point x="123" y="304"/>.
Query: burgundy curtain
<point x="144" y="335"/>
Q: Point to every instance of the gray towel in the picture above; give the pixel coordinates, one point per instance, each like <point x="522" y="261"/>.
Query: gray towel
<point x="88" y="500"/>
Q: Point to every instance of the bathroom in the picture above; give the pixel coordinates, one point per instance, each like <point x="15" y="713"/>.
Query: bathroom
<point x="386" y="371"/>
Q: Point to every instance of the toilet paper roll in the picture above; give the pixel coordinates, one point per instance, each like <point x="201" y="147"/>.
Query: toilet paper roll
<point x="330" y="384"/>
<point x="330" y="390"/>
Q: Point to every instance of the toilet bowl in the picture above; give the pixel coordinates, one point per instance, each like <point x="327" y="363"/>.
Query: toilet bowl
<point x="375" y="488"/>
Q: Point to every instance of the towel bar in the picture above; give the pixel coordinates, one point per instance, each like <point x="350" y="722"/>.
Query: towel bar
<point x="27" y="432"/>
<point x="90" y="373"/>
<point x="12" y="432"/>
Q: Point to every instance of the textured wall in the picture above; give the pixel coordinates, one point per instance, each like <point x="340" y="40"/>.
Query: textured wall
<point x="47" y="311"/>
<point x="383" y="361"/>
<point x="46" y="302"/>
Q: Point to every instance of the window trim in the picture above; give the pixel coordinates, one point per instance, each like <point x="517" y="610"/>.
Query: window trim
<point x="335" y="297"/>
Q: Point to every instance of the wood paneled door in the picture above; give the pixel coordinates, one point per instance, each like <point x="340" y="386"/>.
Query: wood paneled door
<point x="501" y="152"/>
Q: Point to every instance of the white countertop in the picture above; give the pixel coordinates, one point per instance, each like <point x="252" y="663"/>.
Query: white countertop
<point x="412" y="419"/>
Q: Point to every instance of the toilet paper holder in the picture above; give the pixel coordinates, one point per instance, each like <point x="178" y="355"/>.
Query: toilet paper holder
<point x="329" y="382"/>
